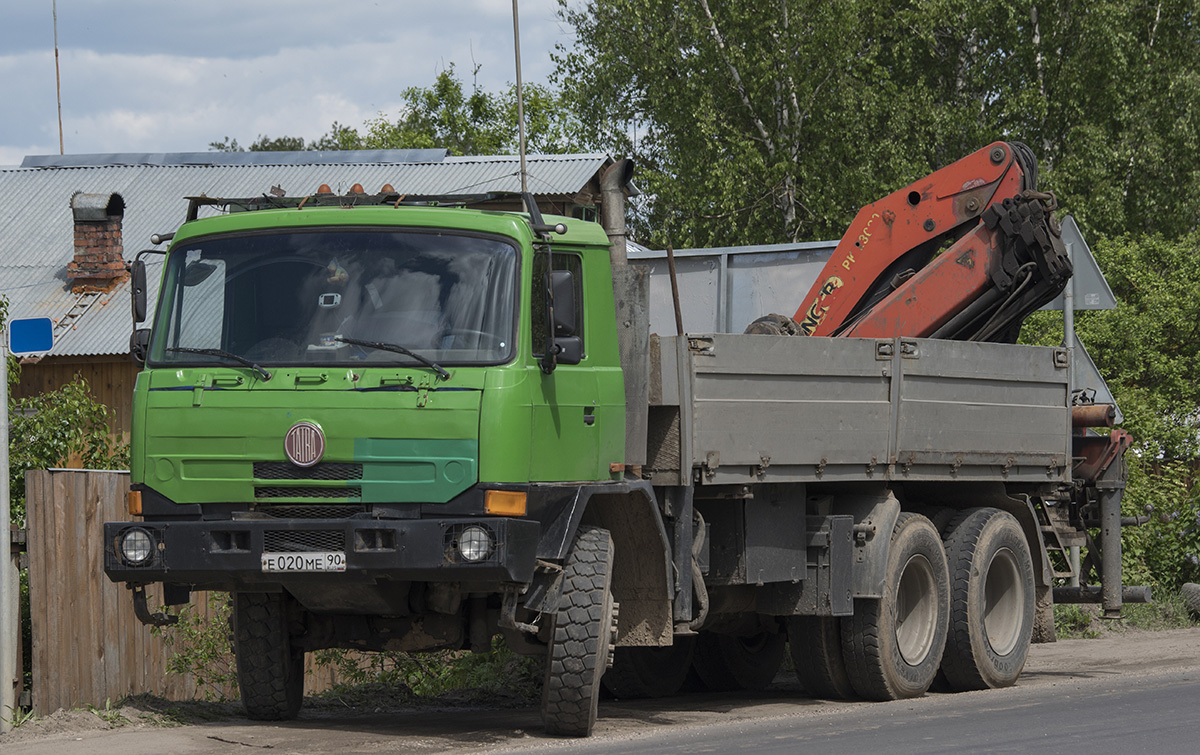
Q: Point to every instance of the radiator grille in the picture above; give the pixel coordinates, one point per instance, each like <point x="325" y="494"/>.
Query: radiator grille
<point x="303" y="541"/>
<point x="306" y="492"/>
<point x="285" y="511"/>
<point x="282" y="470"/>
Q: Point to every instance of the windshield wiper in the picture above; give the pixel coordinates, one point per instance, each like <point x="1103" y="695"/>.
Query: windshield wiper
<point x="228" y="355"/>
<point x="399" y="350"/>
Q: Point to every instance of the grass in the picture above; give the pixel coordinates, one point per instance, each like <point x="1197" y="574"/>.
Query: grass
<point x="1074" y="622"/>
<point x="109" y="714"/>
<point x="1168" y="611"/>
<point x="19" y="716"/>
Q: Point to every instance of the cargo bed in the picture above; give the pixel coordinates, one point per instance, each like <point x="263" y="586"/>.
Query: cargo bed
<point x="750" y="409"/>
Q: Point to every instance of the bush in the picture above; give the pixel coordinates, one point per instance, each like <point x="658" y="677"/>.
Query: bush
<point x="1165" y="552"/>
<point x="200" y="646"/>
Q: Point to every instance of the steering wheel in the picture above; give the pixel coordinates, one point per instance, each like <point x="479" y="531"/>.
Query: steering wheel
<point x="480" y="338"/>
<point x="273" y="349"/>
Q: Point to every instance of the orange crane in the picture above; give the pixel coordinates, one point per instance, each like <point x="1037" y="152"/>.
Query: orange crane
<point x="965" y="253"/>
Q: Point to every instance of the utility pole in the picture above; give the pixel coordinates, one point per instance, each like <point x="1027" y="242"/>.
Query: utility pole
<point x="9" y="636"/>
<point x="520" y="100"/>
<point x="58" y="79"/>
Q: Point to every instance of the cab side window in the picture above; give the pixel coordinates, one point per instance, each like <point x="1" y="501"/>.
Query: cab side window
<point x="562" y="261"/>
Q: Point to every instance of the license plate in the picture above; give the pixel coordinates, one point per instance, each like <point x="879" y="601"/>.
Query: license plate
<point x="314" y="561"/>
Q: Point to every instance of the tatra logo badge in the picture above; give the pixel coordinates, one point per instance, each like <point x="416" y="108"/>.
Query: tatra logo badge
<point x="304" y="444"/>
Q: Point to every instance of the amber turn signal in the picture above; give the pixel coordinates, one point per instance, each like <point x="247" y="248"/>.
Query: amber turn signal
<point x="504" y="502"/>
<point x="133" y="501"/>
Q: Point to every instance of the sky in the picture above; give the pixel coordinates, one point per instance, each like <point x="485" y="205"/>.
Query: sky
<point x="172" y="76"/>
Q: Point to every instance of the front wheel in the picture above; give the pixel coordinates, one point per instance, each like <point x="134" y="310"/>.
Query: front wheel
<point x="893" y="645"/>
<point x="581" y="634"/>
<point x="270" y="671"/>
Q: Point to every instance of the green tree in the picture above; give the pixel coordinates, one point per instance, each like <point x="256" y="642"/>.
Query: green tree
<point x="1106" y="92"/>
<point x="474" y="123"/>
<point x="1148" y="348"/>
<point x="749" y="121"/>
<point x="262" y="144"/>
<point x="769" y="122"/>
<point x="446" y="115"/>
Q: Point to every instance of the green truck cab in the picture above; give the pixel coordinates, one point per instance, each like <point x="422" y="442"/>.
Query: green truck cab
<point x="348" y="419"/>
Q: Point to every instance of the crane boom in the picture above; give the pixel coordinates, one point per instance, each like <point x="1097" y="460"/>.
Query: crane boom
<point x="965" y="253"/>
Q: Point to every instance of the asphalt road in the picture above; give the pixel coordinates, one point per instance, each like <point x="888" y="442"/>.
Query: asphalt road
<point x="1159" y="714"/>
<point x="1123" y="694"/>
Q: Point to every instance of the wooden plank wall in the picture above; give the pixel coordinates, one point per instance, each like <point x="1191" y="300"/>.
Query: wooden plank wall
<point x="88" y="647"/>
<point x="110" y="378"/>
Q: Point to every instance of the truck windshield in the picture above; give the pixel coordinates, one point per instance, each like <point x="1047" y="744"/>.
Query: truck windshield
<point x="290" y="298"/>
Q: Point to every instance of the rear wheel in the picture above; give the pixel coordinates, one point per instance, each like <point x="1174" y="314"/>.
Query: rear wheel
<point x="727" y="662"/>
<point x="991" y="600"/>
<point x="270" y="671"/>
<point x="893" y="645"/>
<point x="581" y="636"/>
<point x="816" y="645"/>
<point x="641" y="672"/>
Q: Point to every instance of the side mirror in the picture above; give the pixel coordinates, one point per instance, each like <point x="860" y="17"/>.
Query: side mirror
<point x="570" y="350"/>
<point x="139" y="342"/>
<point x="562" y="287"/>
<point x="137" y="289"/>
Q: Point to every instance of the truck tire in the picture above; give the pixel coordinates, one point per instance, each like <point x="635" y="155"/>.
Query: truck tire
<point x="270" y="671"/>
<point x="645" y="672"/>
<point x="726" y="662"/>
<point x="581" y="636"/>
<point x="893" y="645"/>
<point x="816" y="645"/>
<point x="1191" y="598"/>
<point x="991" y="600"/>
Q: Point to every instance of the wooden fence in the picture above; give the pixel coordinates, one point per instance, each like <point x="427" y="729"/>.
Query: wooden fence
<point x="88" y="647"/>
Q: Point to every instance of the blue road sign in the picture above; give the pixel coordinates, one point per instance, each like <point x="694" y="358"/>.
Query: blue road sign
<point x="31" y="335"/>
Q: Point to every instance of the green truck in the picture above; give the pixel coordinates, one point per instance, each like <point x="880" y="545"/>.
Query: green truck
<point x="388" y="423"/>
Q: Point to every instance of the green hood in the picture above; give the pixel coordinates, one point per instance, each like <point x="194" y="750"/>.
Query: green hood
<point x="393" y="436"/>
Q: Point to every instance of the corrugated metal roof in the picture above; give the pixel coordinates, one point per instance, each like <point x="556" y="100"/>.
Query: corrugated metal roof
<point x="306" y="157"/>
<point x="37" y="230"/>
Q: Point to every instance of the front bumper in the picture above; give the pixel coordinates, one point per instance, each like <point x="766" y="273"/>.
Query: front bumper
<point x="227" y="554"/>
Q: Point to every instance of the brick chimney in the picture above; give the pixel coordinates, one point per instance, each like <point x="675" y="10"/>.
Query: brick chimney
<point x="99" y="253"/>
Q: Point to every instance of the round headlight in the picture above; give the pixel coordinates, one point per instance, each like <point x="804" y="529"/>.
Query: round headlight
<point x="136" y="547"/>
<point x="474" y="543"/>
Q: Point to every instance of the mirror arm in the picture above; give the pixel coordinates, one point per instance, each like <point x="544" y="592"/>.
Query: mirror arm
<point x="549" y="360"/>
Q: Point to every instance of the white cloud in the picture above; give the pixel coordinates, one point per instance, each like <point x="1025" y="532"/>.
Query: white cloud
<point x="153" y="77"/>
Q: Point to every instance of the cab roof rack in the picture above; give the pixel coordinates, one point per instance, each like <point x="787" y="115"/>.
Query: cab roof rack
<point x="356" y="197"/>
